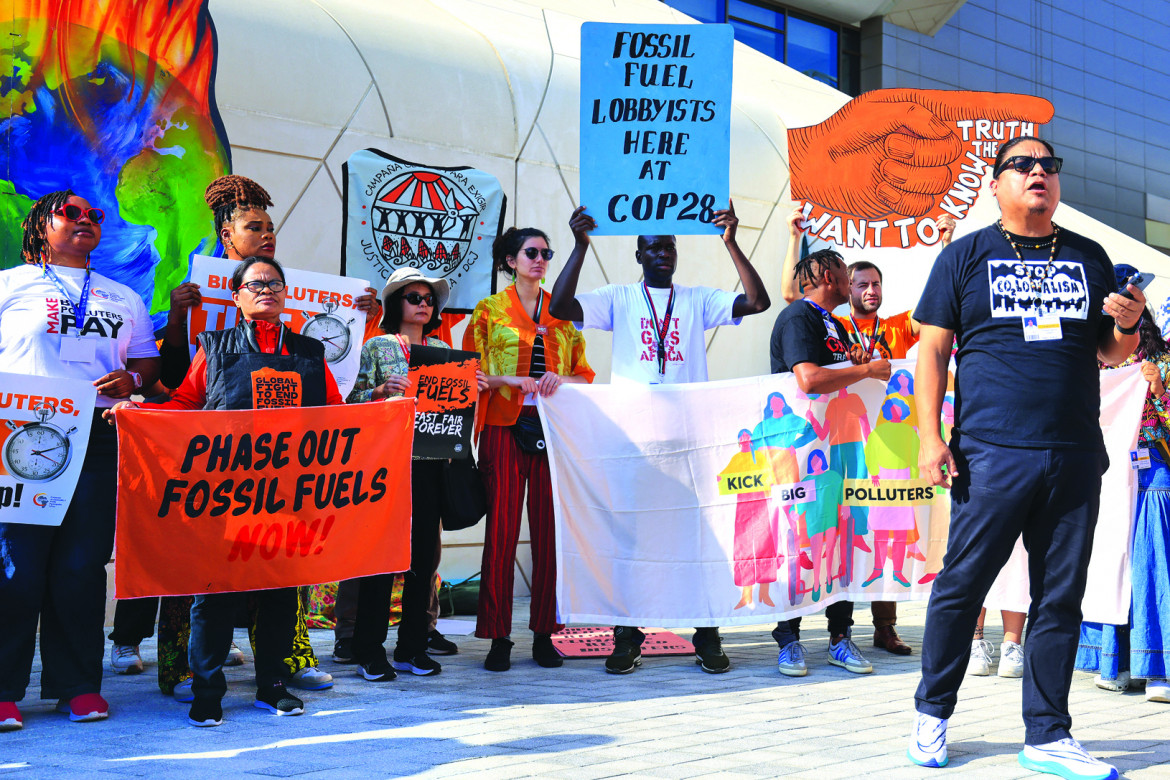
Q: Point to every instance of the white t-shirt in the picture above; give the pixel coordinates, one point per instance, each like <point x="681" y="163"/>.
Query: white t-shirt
<point x="34" y="320"/>
<point x="623" y="310"/>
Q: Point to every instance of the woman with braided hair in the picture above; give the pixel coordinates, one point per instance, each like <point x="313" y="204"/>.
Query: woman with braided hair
<point x="245" y="230"/>
<point x="57" y="574"/>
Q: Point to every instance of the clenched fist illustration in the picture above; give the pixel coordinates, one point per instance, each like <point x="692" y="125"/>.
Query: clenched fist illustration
<point x="895" y="151"/>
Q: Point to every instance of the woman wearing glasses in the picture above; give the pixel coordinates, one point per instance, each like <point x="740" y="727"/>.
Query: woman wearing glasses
<point x="525" y="351"/>
<point x="220" y="377"/>
<point x="411" y="304"/>
<point x="58" y="318"/>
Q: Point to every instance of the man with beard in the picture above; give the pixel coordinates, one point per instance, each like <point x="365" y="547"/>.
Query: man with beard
<point x="658" y="338"/>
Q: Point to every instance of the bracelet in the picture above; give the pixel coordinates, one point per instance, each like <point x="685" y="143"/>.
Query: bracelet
<point x="1129" y="331"/>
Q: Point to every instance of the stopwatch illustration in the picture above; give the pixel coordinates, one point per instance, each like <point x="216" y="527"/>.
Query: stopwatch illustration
<point x="38" y="451"/>
<point x="330" y="330"/>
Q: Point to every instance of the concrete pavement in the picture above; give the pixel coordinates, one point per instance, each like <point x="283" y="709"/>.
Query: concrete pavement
<point x="667" y="720"/>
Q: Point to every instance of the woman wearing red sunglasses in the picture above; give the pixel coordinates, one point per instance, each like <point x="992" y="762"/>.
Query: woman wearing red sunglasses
<point x="60" y="319"/>
<point x="525" y="351"/>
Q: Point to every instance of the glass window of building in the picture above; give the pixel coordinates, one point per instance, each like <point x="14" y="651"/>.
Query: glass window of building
<point x="826" y="51"/>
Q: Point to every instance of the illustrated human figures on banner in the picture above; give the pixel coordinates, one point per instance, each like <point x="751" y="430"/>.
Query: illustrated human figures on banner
<point x="825" y="521"/>
<point x="754" y="543"/>
<point x="848" y="425"/>
<point x="891" y="452"/>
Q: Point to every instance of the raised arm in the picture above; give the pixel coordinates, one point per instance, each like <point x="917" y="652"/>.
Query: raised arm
<point x="754" y="298"/>
<point x="789" y="289"/>
<point x="564" y="305"/>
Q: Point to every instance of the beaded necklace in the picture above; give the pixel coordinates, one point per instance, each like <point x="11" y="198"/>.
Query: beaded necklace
<point x="1037" y="284"/>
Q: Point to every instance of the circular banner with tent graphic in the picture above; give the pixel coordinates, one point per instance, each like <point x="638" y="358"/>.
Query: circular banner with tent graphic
<point x="440" y="220"/>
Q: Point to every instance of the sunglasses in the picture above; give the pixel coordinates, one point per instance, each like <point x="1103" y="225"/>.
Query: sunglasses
<point x="532" y="252"/>
<point x="257" y="287"/>
<point x="1024" y="164"/>
<point x="73" y="213"/>
<point x="414" y="299"/>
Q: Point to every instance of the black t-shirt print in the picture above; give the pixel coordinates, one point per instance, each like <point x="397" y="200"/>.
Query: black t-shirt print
<point x="802" y="335"/>
<point x="1010" y="391"/>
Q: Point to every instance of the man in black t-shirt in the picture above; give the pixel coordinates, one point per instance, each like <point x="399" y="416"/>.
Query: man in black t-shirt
<point x="1024" y="299"/>
<point x="805" y="339"/>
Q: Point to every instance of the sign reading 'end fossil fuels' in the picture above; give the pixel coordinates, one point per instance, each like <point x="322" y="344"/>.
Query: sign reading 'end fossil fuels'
<point x="655" y="126"/>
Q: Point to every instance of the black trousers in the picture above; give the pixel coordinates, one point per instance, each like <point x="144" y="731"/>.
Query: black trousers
<point x="213" y="620"/>
<point x="1051" y="497"/>
<point x="57" y="574"/>
<point x="373" y="608"/>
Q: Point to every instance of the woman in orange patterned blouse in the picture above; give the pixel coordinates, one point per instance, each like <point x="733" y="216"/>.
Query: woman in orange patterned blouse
<point x="525" y="352"/>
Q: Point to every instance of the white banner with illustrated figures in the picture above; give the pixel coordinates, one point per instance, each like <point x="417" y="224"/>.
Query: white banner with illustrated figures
<point x="746" y="501"/>
<point x="45" y="433"/>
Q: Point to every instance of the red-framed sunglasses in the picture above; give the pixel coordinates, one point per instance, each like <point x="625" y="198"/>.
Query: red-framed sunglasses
<point x="73" y="213"/>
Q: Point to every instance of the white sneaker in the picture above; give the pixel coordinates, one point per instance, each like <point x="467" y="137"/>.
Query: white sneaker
<point x="980" y="663"/>
<point x="125" y="659"/>
<point x="1011" y="660"/>
<point x="791" y="660"/>
<point x="235" y="656"/>
<point x="1118" y="685"/>
<point x="928" y="741"/>
<point x="1065" y="758"/>
<point x="311" y="679"/>
<point x="1158" y="690"/>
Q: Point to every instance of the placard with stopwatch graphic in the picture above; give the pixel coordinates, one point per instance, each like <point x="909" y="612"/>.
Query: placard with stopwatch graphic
<point x="45" y="431"/>
<point x="317" y="305"/>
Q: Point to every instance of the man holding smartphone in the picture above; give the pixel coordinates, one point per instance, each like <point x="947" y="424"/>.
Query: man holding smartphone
<point x="1022" y="294"/>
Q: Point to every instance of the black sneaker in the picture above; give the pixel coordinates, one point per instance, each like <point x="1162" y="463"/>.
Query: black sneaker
<point x="544" y="653"/>
<point x="277" y="700"/>
<point x="499" y="658"/>
<point x="709" y="653"/>
<point x="437" y="644"/>
<point x="627" y="650"/>
<point x="421" y="664"/>
<point x="379" y="670"/>
<point x="205" y="713"/>
<point x="343" y="651"/>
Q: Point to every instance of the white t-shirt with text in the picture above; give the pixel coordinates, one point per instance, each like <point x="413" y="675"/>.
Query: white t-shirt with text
<point x="623" y="310"/>
<point x="34" y="319"/>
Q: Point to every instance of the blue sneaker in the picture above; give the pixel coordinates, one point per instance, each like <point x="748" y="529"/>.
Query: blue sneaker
<point x="846" y="655"/>
<point x="791" y="660"/>
<point x="928" y="741"/>
<point x="1067" y="759"/>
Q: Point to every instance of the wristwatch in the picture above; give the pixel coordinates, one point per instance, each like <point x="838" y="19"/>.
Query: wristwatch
<point x="136" y="378"/>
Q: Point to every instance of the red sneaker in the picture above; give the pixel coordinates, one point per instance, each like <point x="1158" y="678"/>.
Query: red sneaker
<point x="86" y="707"/>
<point x="10" y="719"/>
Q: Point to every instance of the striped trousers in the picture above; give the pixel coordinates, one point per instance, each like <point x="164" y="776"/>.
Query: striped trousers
<point x="506" y="471"/>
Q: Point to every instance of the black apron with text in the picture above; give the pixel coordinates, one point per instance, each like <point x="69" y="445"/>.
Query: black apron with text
<point x="240" y="376"/>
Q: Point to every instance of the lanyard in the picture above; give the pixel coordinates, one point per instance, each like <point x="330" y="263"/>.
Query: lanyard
<point x="79" y="309"/>
<point x="873" y="336"/>
<point x="660" y="329"/>
<point x="830" y="323"/>
<point x="405" y="344"/>
<point x="1037" y="285"/>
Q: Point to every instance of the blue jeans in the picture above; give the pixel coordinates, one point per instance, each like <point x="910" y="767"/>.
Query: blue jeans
<point x="213" y="620"/>
<point x="1051" y="497"/>
<point x="58" y="574"/>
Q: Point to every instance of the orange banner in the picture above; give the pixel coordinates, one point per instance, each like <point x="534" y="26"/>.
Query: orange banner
<point x="219" y="501"/>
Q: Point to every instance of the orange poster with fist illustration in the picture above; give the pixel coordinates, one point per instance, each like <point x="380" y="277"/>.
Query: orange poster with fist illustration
<point x="888" y="165"/>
